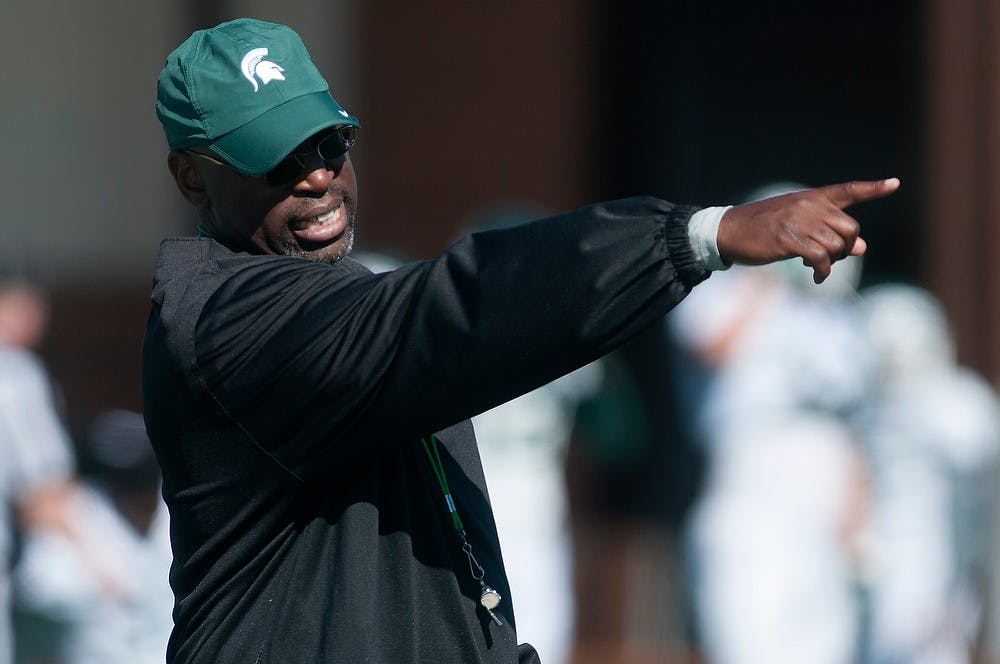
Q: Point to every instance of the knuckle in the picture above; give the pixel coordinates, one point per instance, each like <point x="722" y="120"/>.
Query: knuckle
<point x="837" y="245"/>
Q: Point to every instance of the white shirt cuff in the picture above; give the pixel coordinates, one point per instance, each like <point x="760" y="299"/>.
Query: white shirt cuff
<point x="703" y="231"/>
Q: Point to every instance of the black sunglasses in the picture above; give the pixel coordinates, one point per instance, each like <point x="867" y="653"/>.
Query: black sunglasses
<point x="330" y="147"/>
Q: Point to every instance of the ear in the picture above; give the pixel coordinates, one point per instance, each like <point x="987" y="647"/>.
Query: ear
<point x="189" y="180"/>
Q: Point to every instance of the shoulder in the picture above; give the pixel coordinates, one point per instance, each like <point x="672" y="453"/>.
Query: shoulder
<point x="19" y="369"/>
<point x="191" y="271"/>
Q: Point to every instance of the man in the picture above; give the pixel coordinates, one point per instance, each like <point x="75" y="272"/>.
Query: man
<point x="933" y="441"/>
<point x="37" y="458"/>
<point x="311" y="418"/>
<point x="100" y="585"/>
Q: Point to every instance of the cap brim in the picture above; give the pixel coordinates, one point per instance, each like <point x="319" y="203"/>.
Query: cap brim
<point x="259" y="145"/>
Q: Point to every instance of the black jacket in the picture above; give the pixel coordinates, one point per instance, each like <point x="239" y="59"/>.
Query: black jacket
<point x="285" y="399"/>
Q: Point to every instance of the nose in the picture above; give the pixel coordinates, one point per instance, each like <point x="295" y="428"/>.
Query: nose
<point x="318" y="175"/>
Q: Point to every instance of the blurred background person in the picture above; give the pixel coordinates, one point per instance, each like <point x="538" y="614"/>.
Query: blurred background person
<point x="101" y="587"/>
<point x="36" y="460"/>
<point x="632" y="474"/>
<point x="772" y="535"/>
<point x="523" y="447"/>
<point x="933" y="439"/>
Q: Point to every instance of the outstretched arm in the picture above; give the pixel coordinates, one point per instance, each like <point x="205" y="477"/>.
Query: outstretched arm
<point x="808" y="224"/>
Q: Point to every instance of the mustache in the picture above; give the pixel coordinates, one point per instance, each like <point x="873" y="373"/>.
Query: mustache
<point x="308" y="203"/>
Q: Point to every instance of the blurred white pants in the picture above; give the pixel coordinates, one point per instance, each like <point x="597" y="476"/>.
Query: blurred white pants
<point x="771" y="580"/>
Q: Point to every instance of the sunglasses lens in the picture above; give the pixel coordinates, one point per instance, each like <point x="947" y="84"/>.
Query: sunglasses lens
<point x="337" y="143"/>
<point x="285" y="172"/>
<point x="330" y="147"/>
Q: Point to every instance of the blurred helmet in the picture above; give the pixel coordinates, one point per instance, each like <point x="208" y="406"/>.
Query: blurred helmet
<point x="119" y="450"/>
<point x="908" y="328"/>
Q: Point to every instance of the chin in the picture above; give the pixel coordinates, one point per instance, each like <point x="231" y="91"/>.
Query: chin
<point x="329" y="254"/>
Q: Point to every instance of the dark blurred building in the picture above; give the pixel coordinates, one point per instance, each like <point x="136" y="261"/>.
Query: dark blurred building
<point x="562" y="103"/>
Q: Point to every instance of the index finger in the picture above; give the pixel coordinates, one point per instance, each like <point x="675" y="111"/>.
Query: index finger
<point x="849" y="193"/>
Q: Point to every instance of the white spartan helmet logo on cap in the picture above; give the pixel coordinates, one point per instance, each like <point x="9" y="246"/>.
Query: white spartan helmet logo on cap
<point x="255" y="66"/>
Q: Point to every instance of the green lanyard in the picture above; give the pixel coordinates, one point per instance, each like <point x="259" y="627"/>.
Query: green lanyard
<point x="438" y="468"/>
<point x="490" y="598"/>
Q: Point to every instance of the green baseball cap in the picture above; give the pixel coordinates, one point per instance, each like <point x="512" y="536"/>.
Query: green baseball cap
<point x="248" y="91"/>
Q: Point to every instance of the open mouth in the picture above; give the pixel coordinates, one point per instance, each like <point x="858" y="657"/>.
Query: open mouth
<point x="323" y="227"/>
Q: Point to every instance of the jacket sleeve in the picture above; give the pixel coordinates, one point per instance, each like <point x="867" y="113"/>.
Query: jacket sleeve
<point x="323" y="364"/>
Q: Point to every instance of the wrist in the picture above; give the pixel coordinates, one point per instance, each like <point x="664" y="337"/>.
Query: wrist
<point x="703" y="232"/>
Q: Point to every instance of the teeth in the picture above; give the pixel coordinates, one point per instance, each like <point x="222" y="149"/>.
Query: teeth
<point x="323" y="218"/>
<point x="322" y="228"/>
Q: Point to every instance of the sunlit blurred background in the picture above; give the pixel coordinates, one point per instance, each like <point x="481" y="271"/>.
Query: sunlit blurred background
<point x="493" y="112"/>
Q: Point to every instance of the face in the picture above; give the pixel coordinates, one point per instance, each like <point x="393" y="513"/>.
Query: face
<point x="312" y="216"/>
<point x="24" y="315"/>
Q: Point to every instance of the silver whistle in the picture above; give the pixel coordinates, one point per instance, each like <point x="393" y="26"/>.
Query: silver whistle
<point x="490" y="599"/>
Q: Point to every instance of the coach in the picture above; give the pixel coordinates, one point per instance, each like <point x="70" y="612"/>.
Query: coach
<point x="326" y="496"/>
